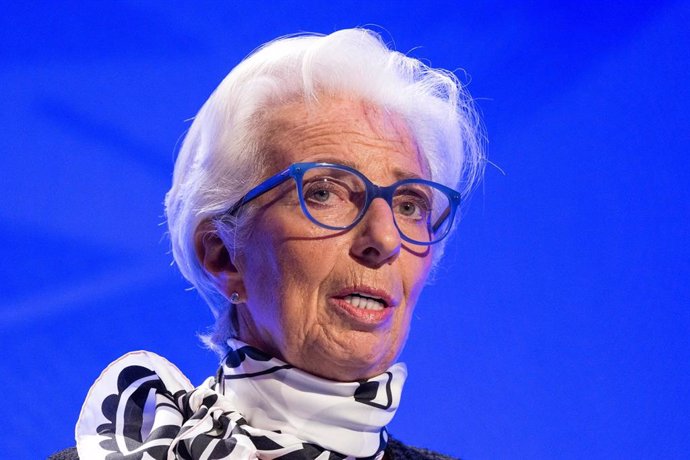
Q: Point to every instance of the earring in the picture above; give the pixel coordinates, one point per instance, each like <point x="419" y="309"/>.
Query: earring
<point x="235" y="297"/>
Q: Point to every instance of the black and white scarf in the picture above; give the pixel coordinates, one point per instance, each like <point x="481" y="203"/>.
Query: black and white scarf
<point x="257" y="407"/>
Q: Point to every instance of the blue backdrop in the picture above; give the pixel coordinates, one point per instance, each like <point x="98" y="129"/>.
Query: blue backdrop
<point x="558" y="326"/>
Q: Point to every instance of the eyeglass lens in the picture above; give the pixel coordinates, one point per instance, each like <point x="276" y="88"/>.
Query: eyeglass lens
<point x="335" y="197"/>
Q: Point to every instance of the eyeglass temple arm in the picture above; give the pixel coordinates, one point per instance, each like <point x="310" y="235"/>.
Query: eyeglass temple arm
<point x="441" y="219"/>
<point x="266" y="186"/>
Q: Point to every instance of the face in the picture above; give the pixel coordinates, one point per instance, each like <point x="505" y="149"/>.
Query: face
<point x="304" y="288"/>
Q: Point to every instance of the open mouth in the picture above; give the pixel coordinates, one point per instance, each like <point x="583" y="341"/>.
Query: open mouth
<point x="365" y="302"/>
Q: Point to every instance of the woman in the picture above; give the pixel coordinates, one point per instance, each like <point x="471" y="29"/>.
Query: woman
<point x="311" y="198"/>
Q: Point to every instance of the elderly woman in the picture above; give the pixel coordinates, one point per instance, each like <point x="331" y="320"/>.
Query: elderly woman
<point x="311" y="198"/>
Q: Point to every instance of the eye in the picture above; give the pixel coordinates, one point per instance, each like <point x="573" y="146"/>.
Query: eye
<point x="407" y="209"/>
<point x="320" y="195"/>
<point x="324" y="192"/>
<point x="411" y="204"/>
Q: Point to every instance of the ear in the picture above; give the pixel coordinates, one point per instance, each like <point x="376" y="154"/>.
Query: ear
<point x="216" y="260"/>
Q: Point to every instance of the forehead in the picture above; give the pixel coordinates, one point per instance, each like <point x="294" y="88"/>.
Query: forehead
<point x="342" y="130"/>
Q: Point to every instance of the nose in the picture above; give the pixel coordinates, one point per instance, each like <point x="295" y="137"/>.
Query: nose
<point x="377" y="240"/>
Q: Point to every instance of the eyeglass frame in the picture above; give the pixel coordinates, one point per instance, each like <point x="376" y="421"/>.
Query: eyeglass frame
<point x="296" y="171"/>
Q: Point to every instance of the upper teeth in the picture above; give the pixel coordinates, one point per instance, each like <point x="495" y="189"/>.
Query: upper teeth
<point x="357" y="300"/>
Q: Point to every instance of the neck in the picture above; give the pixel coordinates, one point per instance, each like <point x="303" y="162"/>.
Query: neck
<point x="346" y="417"/>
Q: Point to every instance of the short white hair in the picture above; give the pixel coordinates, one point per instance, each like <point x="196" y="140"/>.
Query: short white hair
<point x="221" y="157"/>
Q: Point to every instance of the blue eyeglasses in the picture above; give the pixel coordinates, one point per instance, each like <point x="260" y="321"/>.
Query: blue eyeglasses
<point x="336" y="197"/>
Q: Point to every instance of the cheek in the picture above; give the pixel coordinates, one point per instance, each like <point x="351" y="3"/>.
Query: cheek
<point x="415" y="273"/>
<point x="295" y="267"/>
<point x="306" y="265"/>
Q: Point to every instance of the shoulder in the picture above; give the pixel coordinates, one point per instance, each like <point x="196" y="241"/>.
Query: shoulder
<point x="396" y="450"/>
<point x="67" y="454"/>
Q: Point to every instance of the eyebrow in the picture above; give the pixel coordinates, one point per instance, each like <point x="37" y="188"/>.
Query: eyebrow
<point x="400" y="174"/>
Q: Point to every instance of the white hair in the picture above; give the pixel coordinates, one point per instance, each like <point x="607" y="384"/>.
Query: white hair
<point x="221" y="157"/>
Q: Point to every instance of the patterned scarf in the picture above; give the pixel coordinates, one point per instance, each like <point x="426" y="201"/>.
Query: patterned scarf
<point x="257" y="407"/>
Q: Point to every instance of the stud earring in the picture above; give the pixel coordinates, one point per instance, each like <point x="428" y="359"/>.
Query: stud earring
<point x="235" y="297"/>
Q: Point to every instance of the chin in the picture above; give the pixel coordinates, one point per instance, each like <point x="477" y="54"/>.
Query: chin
<point x="355" y="366"/>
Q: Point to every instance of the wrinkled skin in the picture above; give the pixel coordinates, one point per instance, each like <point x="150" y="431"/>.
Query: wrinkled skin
<point x="290" y="270"/>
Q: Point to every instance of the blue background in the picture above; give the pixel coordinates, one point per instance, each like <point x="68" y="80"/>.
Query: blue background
<point x="558" y="326"/>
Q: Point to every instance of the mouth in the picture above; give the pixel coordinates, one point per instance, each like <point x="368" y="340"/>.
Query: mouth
<point x="365" y="302"/>
<point x="364" y="305"/>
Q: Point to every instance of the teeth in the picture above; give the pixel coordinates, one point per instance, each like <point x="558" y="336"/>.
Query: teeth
<point x="365" y="303"/>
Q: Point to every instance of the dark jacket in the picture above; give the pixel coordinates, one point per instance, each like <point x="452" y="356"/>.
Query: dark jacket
<point x="395" y="451"/>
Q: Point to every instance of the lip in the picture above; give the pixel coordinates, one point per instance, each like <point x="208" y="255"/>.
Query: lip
<point x="368" y="291"/>
<point x="361" y="315"/>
